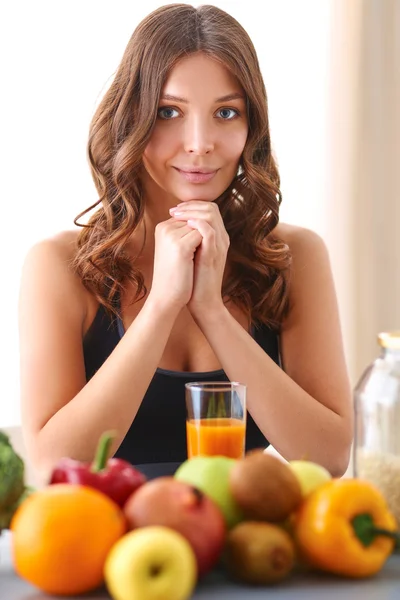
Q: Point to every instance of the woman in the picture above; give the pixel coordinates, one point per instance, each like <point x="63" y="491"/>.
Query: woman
<point x="183" y="273"/>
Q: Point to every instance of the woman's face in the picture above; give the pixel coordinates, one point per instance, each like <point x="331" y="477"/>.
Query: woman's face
<point x="199" y="136"/>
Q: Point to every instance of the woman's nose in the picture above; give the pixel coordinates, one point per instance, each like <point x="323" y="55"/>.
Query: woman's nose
<point x="199" y="137"/>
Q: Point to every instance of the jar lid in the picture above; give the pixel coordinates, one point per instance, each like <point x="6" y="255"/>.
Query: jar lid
<point x="389" y="339"/>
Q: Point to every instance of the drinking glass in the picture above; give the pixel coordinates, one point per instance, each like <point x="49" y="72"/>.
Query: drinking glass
<point x="216" y="419"/>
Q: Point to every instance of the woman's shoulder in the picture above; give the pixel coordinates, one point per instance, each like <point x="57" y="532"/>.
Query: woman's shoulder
<point x="50" y="259"/>
<point x="61" y="245"/>
<point x="55" y="254"/>
<point x="306" y="246"/>
<point x="311" y="274"/>
<point x="298" y="238"/>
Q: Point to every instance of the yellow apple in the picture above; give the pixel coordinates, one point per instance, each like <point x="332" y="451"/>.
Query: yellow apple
<point x="151" y="563"/>
<point x="310" y="475"/>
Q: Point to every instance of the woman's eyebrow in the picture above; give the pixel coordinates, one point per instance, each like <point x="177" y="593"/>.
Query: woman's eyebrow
<point x="227" y="98"/>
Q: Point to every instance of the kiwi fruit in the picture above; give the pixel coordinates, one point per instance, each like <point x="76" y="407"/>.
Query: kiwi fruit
<point x="259" y="553"/>
<point x="264" y="487"/>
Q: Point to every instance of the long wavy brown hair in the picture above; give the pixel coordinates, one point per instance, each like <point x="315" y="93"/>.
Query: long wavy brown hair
<point x="259" y="263"/>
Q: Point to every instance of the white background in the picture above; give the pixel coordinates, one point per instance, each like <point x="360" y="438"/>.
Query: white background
<point x="57" y="58"/>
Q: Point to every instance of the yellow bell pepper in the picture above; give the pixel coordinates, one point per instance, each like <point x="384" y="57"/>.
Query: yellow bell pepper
<point x="345" y="527"/>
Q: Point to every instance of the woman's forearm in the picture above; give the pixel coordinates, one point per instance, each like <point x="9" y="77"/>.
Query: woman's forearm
<point x="112" y="397"/>
<point x="295" y="423"/>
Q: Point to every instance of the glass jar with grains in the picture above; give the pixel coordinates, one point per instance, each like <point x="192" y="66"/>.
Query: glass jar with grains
<point x="376" y="454"/>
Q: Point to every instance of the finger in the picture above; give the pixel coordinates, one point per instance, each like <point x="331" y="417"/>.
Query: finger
<point x="215" y="238"/>
<point x="213" y="220"/>
<point x="208" y="248"/>
<point x="181" y="232"/>
<point x="207" y="233"/>
<point x="185" y="215"/>
<point x="173" y="223"/>
<point x="193" y="238"/>
<point x="170" y="223"/>
<point x="197" y="205"/>
<point x="172" y="227"/>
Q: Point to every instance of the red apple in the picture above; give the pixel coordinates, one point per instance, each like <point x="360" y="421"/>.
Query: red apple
<point x="182" y="507"/>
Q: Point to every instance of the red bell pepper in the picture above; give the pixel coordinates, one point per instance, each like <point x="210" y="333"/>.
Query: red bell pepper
<point x="115" y="477"/>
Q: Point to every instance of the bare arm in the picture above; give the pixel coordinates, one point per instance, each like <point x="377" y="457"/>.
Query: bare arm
<point x="62" y="415"/>
<point x="305" y="409"/>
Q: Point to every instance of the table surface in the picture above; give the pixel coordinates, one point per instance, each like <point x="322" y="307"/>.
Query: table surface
<point x="384" y="586"/>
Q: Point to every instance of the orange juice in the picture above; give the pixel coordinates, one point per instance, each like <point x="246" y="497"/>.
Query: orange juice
<point x="216" y="436"/>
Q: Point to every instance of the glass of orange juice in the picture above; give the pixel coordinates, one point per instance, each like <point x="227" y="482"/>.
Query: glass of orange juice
<point x="216" y="419"/>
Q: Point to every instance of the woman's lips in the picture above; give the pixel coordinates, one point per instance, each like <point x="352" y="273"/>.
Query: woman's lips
<point x="196" y="177"/>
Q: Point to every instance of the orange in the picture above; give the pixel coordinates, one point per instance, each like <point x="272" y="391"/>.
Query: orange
<point x="61" y="536"/>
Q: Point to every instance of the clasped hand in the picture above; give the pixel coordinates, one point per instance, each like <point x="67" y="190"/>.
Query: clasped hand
<point x="210" y="256"/>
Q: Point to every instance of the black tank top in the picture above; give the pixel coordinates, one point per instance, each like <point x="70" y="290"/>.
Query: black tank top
<point x="158" y="432"/>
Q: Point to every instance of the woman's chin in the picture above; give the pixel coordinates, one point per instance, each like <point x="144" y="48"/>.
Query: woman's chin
<point x="198" y="193"/>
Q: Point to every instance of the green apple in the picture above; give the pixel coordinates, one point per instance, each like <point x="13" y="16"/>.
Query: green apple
<point x="151" y="563"/>
<point x="310" y="475"/>
<point x="210" y="474"/>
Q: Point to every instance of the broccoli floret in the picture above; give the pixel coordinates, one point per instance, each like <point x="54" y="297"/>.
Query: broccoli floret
<point x="7" y="514"/>
<point x="12" y="484"/>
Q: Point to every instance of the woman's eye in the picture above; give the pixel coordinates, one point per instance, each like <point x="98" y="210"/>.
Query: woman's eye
<point x="227" y="114"/>
<point x="166" y="112"/>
